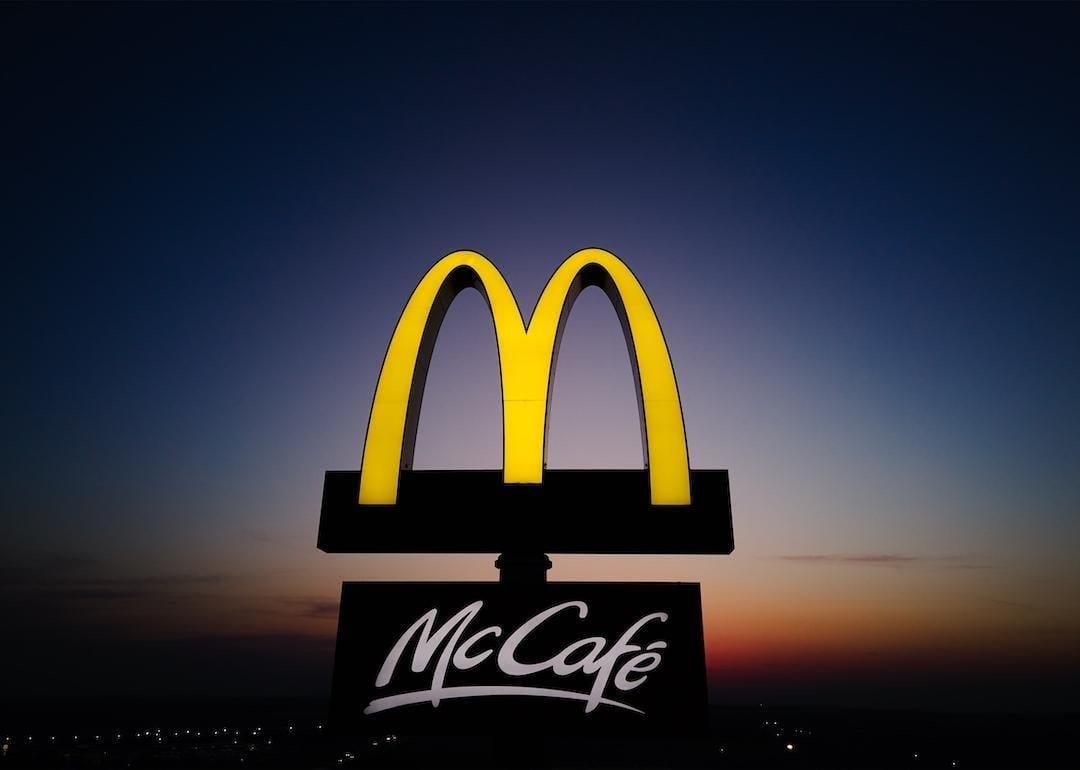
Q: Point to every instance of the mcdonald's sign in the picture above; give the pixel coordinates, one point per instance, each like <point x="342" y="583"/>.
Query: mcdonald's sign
<point x="388" y="506"/>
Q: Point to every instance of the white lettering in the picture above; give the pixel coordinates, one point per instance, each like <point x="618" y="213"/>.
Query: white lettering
<point x="624" y="664"/>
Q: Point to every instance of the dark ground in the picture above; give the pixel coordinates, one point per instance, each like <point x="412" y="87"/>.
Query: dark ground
<point x="277" y="733"/>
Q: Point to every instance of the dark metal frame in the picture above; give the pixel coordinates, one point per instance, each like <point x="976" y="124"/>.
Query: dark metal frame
<point x="573" y="511"/>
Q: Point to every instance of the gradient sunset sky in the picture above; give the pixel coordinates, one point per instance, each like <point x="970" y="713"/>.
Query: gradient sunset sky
<point x="858" y="225"/>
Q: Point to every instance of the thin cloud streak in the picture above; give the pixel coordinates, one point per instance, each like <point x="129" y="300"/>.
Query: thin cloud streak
<point x="321" y="609"/>
<point x="45" y="583"/>
<point x="886" y="560"/>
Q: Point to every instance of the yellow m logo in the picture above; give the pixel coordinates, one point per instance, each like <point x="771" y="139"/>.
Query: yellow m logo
<point x="527" y="359"/>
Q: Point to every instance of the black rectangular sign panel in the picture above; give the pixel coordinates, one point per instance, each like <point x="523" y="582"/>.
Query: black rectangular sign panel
<point x="616" y="659"/>
<point x="584" y="511"/>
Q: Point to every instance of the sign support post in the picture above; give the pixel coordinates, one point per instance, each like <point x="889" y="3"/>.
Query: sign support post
<point x="523" y="567"/>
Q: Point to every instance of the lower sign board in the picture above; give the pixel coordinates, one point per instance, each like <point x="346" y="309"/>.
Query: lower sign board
<point x="623" y="659"/>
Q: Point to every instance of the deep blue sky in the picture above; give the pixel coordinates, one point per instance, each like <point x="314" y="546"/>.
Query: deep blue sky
<point x="858" y="224"/>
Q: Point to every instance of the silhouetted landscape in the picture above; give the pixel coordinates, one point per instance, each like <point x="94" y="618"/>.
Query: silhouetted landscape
<point x="291" y="733"/>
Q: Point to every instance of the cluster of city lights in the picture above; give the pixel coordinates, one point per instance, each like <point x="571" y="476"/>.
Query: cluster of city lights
<point x="208" y="739"/>
<point x="251" y="738"/>
<point x="386" y="741"/>
<point x="789" y="744"/>
<point x="774" y="725"/>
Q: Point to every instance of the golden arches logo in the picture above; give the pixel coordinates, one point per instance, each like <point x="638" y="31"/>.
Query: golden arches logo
<point x="527" y="355"/>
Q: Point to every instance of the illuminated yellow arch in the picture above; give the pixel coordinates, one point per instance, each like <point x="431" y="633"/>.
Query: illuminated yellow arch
<point x="526" y="359"/>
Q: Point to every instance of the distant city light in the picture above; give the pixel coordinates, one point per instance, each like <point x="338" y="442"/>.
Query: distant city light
<point x="92" y="743"/>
